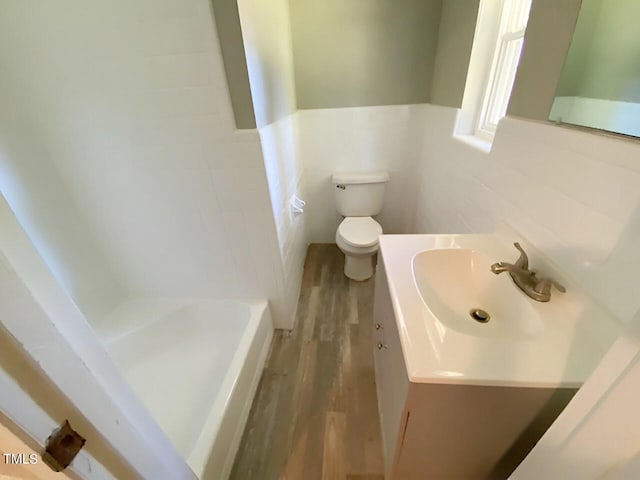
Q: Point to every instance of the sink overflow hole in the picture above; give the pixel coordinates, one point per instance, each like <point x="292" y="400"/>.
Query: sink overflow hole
<point x="479" y="315"/>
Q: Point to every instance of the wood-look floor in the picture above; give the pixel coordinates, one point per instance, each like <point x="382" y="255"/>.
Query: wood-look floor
<point x="315" y="415"/>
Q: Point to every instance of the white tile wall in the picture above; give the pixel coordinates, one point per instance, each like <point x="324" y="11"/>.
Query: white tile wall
<point x="130" y="133"/>
<point x="56" y="226"/>
<point x="285" y="174"/>
<point x="575" y="195"/>
<point x="266" y="35"/>
<point x="130" y="101"/>
<point x="284" y="170"/>
<point x="361" y="138"/>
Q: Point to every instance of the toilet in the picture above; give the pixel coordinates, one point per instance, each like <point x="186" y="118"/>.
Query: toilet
<point x="359" y="196"/>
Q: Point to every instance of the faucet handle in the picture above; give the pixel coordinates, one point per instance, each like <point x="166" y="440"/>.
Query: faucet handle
<point x="523" y="261"/>
<point x="544" y="286"/>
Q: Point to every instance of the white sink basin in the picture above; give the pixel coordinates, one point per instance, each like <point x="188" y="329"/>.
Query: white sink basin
<point x="457" y="286"/>
<point x="434" y="281"/>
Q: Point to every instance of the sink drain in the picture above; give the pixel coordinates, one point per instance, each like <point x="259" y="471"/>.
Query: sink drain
<point x="479" y="315"/>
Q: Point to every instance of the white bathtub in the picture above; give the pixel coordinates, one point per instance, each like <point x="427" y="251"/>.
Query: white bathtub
<point x="195" y="364"/>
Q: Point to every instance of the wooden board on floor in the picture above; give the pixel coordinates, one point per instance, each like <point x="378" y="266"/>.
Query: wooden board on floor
<point x="315" y="415"/>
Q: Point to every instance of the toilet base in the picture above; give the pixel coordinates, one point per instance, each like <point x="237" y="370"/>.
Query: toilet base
<point x="358" y="268"/>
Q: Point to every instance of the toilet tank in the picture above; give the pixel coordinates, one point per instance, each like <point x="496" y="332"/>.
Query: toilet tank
<point x="359" y="194"/>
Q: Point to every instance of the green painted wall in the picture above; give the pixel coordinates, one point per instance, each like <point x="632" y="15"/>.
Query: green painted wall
<point x="235" y="66"/>
<point x="455" y="39"/>
<point x="577" y="57"/>
<point x="350" y="53"/>
<point x="604" y="58"/>
<point x="386" y="52"/>
<point x="266" y="32"/>
<point x="344" y="54"/>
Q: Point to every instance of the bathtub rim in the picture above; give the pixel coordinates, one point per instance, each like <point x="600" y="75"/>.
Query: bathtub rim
<point x="160" y="308"/>
<point x="208" y="442"/>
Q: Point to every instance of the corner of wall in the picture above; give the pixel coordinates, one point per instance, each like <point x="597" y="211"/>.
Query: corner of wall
<point x="453" y="50"/>
<point x="267" y="57"/>
<point x="284" y="170"/>
<point x="227" y="22"/>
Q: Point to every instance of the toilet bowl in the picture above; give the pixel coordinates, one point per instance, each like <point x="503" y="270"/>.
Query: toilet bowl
<point x="359" y="196"/>
<point x="357" y="238"/>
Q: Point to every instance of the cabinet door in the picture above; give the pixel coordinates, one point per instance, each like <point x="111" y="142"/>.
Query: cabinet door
<point x="391" y="375"/>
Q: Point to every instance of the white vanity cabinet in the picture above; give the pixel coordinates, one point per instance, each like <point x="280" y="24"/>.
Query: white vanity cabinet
<point x="392" y="382"/>
<point x="436" y="429"/>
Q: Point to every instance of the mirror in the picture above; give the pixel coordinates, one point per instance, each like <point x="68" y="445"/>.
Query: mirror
<point x="600" y="83"/>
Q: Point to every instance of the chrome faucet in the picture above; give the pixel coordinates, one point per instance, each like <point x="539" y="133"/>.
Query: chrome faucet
<point x="537" y="288"/>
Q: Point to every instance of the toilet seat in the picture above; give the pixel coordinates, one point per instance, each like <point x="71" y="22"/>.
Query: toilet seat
<point x="360" y="231"/>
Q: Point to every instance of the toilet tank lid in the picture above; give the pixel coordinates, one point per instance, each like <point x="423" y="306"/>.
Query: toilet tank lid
<point x="360" y="177"/>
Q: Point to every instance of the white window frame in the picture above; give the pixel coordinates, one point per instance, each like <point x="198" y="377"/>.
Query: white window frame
<point x="504" y="64"/>
<point x="492" y="68"/>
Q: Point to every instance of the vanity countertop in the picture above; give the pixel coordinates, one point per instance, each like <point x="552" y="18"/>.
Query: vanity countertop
<point x="563" y="355"/>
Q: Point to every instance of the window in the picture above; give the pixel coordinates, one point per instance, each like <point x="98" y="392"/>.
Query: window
<point x="494" y="60"/>
<point x="506" y="55"/>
